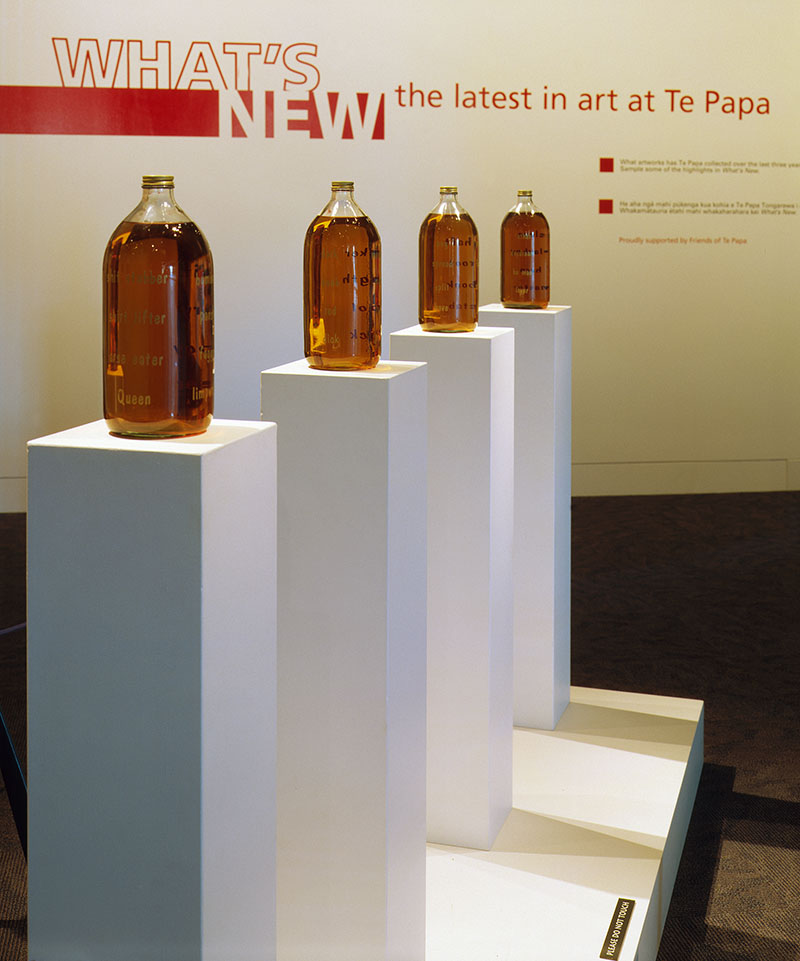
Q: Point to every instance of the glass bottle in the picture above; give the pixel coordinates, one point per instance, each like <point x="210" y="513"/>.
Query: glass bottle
<point x="342" y="286"/>
<point x="525" y="255"/>
<point x="158" y="320"/>
<point x="448" y="267"/>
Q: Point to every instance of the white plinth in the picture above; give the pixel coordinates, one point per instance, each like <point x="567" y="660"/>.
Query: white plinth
<point x="151" y="695"/>
<point x="601" y="810"/>
<point x="542" y="520"/>
<point x="470" y="500"/>
<point x="351" y="658"/>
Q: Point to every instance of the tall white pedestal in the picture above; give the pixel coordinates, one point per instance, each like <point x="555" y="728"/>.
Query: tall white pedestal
<point x="470" y="495"/>
<point x="542" y="518"/>
<point x="151" y="693"/>
<point x="351" y="660"/>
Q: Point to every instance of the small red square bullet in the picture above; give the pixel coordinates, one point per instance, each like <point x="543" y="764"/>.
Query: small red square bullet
<point x="606" y="165"/>
<point x="606" y="207"/>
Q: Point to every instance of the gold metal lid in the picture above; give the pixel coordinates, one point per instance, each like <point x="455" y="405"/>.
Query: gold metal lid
<point x="524" y="193"/>
<point x="448" y="190"/>
<point x="159" y="180"/>
<point x="341" y="185"/>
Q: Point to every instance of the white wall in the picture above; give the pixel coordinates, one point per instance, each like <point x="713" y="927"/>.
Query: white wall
<point x="685" y="355"/>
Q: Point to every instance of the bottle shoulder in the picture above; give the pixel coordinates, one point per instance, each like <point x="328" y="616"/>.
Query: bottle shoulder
<point x="449" y="224"/>
<point x="449" y="208"/>
<point x="186" y="235"/>
<point x="532" y="216"/>
<point x="157" y="212"/>
<point x="342" y="207"/>
<point x="324" y="225"/>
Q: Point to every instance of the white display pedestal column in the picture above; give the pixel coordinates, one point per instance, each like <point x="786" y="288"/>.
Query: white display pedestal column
<point x="151" y="695"/>
<point x="542" y="518"/>
<point x="470" y="500"/>
<point x="351" y="660"/>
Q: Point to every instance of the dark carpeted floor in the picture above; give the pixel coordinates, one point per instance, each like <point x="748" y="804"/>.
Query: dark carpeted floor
<point x="691" y="596"/>
<point x="699" y="596"/>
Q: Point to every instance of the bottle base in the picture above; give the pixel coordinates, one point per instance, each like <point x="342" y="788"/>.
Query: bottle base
<point x="517" y="306"/>
<point x="172" y="432"/>
<point x="316" y="364"/>
<point x="448" y="328"/>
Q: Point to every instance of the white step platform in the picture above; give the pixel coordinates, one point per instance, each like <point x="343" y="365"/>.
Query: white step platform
<point x="151" y="695"/>
<point x="542" y="508"/>
<point x="601" y="810"/>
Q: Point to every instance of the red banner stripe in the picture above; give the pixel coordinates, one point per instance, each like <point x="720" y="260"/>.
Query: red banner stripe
<point x="110" y="112"/>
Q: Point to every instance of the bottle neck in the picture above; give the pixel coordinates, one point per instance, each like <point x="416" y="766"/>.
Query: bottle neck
<point x="448" y="203"/>
<point x="342" y="204"/>
<point x="158" y="206"/>
<point x="524" y="204"/>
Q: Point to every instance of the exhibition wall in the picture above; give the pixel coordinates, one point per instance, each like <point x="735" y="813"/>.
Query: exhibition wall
<point x="660" y="139"/>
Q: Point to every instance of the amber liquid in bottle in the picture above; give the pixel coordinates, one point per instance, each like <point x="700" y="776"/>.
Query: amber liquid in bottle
<point x="159" y="330"/>
<point x="525" y="256"/>
<point x="342" y="292"/>
<point x="448" y="268"/>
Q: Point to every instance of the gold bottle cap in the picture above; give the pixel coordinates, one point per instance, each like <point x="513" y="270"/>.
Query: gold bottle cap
<point x="524" y="193"/>
<point x="448" y="190"/>
<point x="342" y="185"/>
<point x="160" y="180"/>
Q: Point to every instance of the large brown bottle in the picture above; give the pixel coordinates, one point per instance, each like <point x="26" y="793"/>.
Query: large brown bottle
<point x="525" y="255"/>
<point x="448" y="267"/>
<point x="342" y="286"/>
<point x="158" y="321"/>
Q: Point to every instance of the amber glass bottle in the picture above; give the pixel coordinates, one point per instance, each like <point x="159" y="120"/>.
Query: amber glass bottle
<point x="158" y="321"/>
<point x="448" y="267"/>
<point x="525" y="255"/>
<point x="342" y="286"/>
